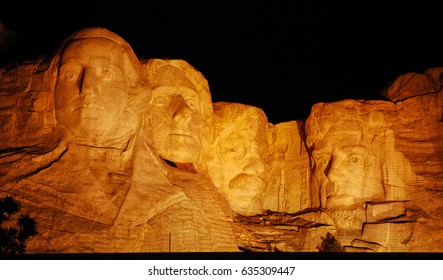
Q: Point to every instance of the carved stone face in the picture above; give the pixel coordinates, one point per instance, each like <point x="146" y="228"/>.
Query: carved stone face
<point x="236" y="162"/>
<point x="346" y="168"/>
<point x="92" y="89"/>
<point x="177" y="123"/>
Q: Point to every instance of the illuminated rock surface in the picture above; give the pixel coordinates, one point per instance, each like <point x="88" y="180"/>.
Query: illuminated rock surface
<point x="378" y="165"/>
<point x="112" y="154"/>
<point x="77" y="153"/>
<point x="256" y="165"/>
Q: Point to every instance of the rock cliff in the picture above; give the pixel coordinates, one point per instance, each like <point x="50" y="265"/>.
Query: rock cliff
<point x="110" y="153"/>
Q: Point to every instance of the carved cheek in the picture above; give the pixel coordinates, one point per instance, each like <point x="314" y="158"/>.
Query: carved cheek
<point x="66" y="94"/>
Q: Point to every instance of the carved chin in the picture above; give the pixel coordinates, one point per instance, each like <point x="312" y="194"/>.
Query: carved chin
<point x="92" y="126"/>
<point x="247" y="181"/>
<point x="247" y="208"/>
<point x="178" y="148"/>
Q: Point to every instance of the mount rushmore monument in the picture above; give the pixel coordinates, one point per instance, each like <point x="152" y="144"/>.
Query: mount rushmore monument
<point x="109" y="152"/>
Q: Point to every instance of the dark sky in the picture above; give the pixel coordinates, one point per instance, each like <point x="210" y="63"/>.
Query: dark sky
<point x="282" y="56"/>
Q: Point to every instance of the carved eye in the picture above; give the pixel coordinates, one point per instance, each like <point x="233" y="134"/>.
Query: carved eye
<point x="235" y="151"/>
<point x="160" y="101"/>
<point x="69" y="75"/>
<point x="191" y="103"/>
<point x="354" y="159"/>
<point x="106" y="74"/>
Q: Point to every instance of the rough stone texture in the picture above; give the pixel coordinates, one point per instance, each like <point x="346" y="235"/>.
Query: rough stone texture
<point x="384" y="160"/>
<point x="110" y="153"/>
<point x="413" y="84"/>
<point x="83" y="163"/>
<point x="256" y="165"/>
<point x="179" y="111"/>
<point x="288" y="187"/>
<point x="238" y="158"/>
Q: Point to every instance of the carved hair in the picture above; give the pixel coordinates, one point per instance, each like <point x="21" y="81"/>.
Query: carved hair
<point x="178" y="72"/>
<point x="225" y="112"/>
<point x="376" y="134"/>
<point x="358" y="113"/>
<point x="48" y="69"/>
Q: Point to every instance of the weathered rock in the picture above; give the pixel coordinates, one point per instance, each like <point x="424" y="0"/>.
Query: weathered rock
<point x="384" y="160"/>
<point x="95" y="184"/>
<point x="112" y="154"/>
<point x="238" y="158"/>
<point x="413" y="84"/>
<point x="288" y="186"/>
<point x="256" y="165"/>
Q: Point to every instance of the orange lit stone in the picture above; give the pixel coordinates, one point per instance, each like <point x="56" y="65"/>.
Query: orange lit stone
<point x="110" y="153"/>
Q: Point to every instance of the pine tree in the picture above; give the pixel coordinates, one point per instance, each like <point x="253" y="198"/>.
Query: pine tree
<point x="15" y="228"/>
<point x="330" y="244"/>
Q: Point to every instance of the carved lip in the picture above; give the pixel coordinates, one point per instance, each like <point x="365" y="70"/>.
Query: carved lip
<point x="334" y="195"/>
<point x="181" y="135"/>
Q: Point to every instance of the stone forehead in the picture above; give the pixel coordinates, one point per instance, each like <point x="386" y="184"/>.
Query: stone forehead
<point x="345" y="116"/>
<point x="177" y="72"/>
<point x="96" y="33"/>
<point x="224" y="109"/>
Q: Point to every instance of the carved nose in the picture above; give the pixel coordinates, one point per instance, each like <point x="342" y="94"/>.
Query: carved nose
<point x="180" y="109"/>
<point x="253" y="164"/>
<point x="332" y="171"/>
<point x="88" y="82"/>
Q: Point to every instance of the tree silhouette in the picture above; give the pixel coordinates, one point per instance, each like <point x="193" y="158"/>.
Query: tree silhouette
<point x="15" y="228"/>
<point x="330" y="244"/>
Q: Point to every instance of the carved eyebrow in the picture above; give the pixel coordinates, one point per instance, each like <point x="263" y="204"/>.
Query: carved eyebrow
<point x="317" y="153"/>
<point x="357" y="148"/>
<point x="189" y="92"/>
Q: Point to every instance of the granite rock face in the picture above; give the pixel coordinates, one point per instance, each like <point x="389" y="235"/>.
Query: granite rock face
<point x="110" y="153"/>
<point x="257" y="165"/>
<point x="378" y="166"/>
<point x="78" y="153"/>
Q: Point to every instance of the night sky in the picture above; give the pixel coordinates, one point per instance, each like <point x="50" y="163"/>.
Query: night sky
<point x="281" y="56"/>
